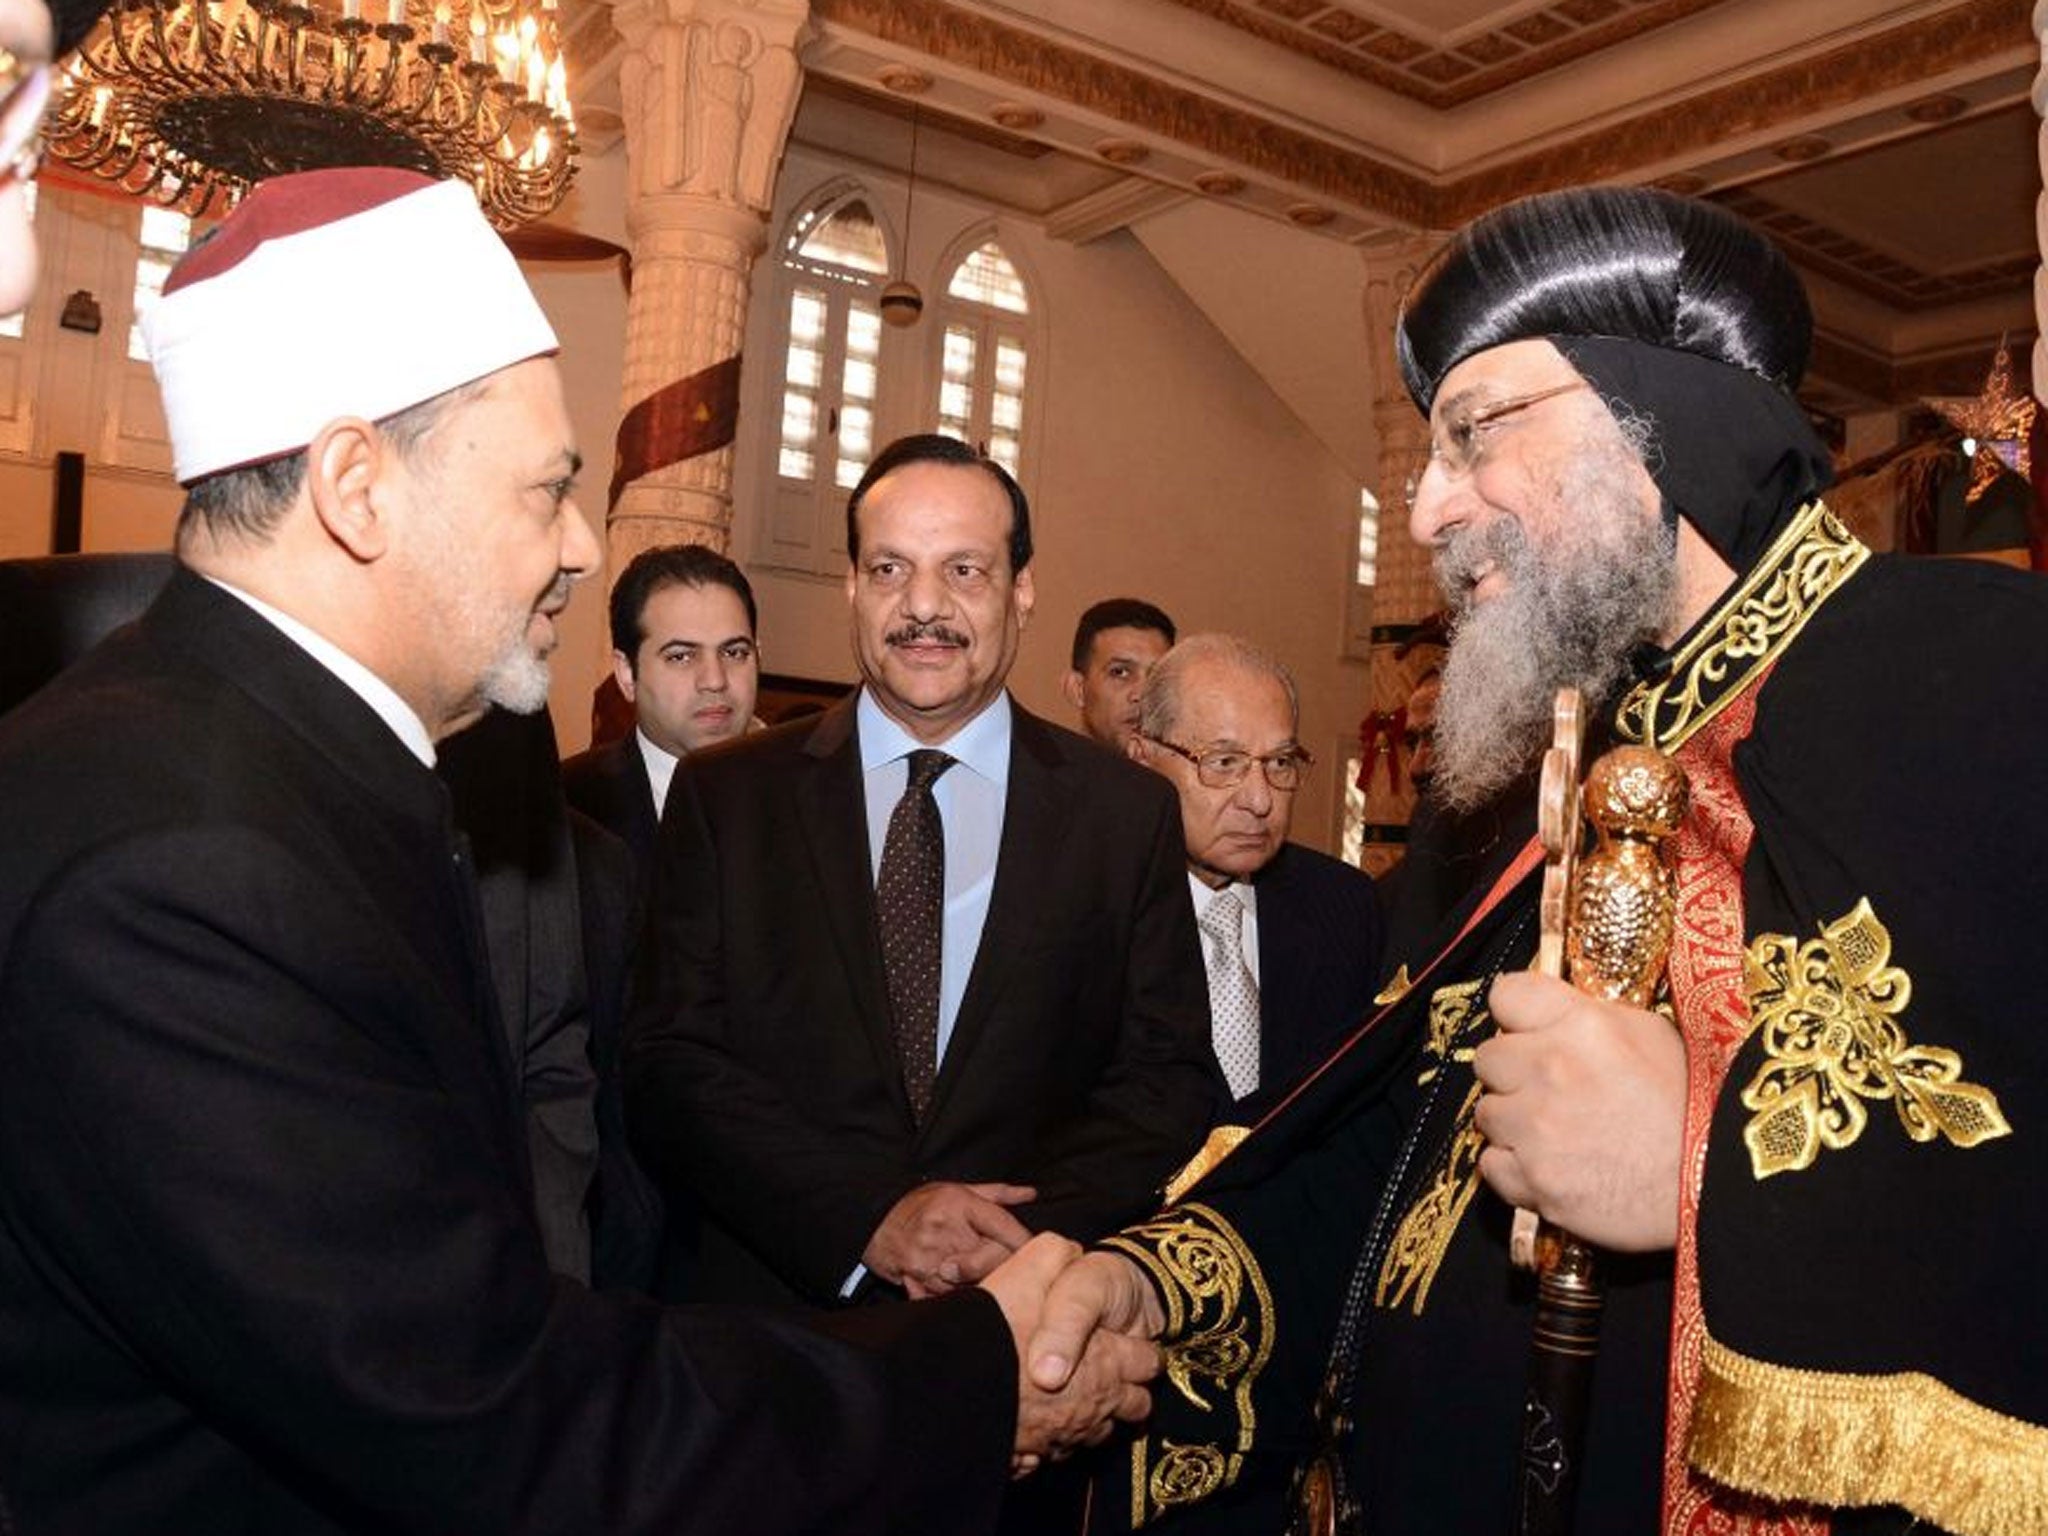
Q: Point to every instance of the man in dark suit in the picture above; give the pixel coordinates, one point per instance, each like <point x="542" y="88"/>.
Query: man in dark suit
<point x="269" y="1257"/>
<point x="1115" y="644"/>
<point x="1291" y="937"/>
<point x="685" y="657"/>
<point x="559" y="917"/>
<point x="852" y="1116"/>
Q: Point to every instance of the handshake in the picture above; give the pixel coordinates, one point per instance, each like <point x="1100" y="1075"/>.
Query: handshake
<point x="1084" y="1325"/>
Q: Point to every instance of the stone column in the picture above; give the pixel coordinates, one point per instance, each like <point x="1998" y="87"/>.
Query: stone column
<point x="1402" y="590"/>
<point x="709" y="89"/>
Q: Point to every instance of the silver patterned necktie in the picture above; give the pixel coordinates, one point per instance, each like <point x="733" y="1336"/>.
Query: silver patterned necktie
<point x="1233" y="995"/>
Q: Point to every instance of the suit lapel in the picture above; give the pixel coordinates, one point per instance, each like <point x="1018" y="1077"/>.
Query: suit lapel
<point x="1280" y="968"/>
<point x="1026" y="866"/>
<point x="832" y="811"/>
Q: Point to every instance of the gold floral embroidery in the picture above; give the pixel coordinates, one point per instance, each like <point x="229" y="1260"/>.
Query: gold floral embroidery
<point x="1450" y="1010"/>
<point x="1220" y="1143"/>
<point x="1396" y="988"/>
<point x="1185" y="1474"/>
<point x="1218" y="1338"/>
<point x="1811" y="559"/>
<point x="1829" y="1013"/>
<point x="1424" y="1236"/>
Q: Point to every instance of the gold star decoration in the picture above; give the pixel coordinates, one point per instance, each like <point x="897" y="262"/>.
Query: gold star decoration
<point x="1999" y="422"/>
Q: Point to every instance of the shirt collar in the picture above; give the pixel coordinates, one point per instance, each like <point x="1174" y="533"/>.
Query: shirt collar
<point x="1204" y="893"/>
<point x="660" y="765"/>
<point x="352" y="674"/>
<point x="982" y="744"/>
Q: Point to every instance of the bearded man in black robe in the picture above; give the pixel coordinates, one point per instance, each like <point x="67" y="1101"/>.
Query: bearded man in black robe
<point x="1818" y="1193"/>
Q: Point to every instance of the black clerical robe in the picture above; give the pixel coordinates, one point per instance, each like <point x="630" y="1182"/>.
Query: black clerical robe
<point x="1846" y="1337"/>
<point x="268" y="1253"/>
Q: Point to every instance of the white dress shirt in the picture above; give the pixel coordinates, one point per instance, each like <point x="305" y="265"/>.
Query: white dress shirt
<point x="661" y="769"/>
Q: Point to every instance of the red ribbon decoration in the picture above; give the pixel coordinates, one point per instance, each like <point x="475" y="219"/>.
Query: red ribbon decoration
<point x="679" y="421"/>
<point x="1382" y="733"/>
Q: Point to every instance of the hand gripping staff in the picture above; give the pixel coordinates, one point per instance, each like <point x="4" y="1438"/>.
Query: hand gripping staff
<point x="1606" y="927"/>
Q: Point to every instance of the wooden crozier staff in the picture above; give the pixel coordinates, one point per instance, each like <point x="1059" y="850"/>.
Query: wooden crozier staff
<point x="1606" y="928"/>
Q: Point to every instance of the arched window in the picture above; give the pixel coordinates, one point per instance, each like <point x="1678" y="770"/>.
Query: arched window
<point x="984" y="356"/>
<point x="834" y="258"/>
<point x="837" y="254"/>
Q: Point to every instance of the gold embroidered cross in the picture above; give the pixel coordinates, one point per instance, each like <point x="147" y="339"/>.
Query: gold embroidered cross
<point x="1829" y="1010"/>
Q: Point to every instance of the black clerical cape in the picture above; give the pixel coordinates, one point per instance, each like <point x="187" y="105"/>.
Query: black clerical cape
<point x="1847" y="1336"/>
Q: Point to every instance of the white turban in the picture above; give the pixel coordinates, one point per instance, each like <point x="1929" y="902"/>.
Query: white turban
<point x="354" y="292"/>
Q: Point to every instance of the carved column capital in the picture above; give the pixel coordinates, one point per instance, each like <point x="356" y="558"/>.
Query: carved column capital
<point x="709" y="88"/>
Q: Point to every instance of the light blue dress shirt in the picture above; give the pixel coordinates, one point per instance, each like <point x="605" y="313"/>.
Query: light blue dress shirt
<point x="970" y="795"/>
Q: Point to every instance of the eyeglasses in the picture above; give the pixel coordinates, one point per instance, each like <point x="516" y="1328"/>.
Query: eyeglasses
<point x="1226" y="767"/>
<point x="1466" y="435"/>
<point x="25" y="92"/>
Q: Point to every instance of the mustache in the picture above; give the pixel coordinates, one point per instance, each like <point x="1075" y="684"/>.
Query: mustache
<point x="556" y="598"/>
<point x="1458" y="561"/>
<point x="917" y="634"/>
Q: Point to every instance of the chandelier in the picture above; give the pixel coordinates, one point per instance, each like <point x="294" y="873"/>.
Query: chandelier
<point x="189" y="102"/>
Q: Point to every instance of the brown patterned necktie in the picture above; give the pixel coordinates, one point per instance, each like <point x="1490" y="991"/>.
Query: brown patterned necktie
<point x="910" y="902"/>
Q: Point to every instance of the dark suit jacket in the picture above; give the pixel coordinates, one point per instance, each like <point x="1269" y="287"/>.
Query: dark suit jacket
<point x="609" y="785"/>
<point x="268" y="1253"/>
<point x="626" y="1212"/>
<point x="1319" y="956"/>
<point x="561" y="913"/>
<point x="501" y="779"/>
<point x="761" y="1071"/>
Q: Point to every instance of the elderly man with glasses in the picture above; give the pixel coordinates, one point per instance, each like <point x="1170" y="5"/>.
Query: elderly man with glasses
<point x="1291" y="937"/>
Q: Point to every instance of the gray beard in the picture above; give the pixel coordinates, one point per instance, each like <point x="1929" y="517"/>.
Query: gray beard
<point x="1574" y="608"/>
<point x="518" y="680"/>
